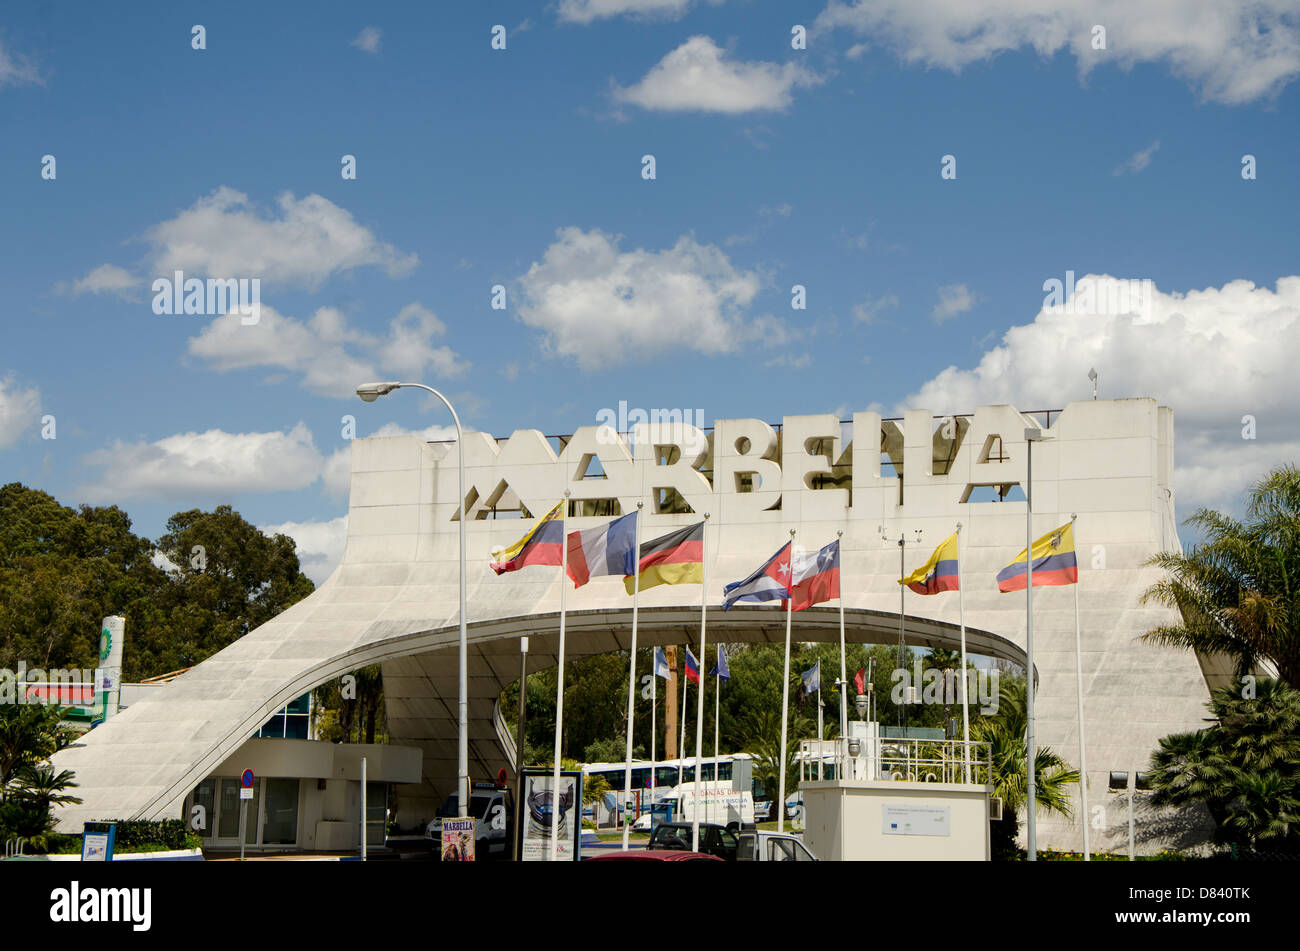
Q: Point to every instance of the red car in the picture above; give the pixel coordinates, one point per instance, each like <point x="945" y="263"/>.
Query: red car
<point x="654" y="855"/>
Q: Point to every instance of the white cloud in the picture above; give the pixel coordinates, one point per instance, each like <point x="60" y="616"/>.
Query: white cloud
<point x="1232" y="52"/>
<point x="698" y="76"/>
<point x="587" y="11"/>
<point x="368" y="40"/>
<point x="20" y="410"/>
<point x="224" y="235"/>
<point x="208" y="464"/>
<point x="319" y="544"/>
<point x="105" y="279"/>
<point x="1139" y="160"/>
<point x="954" y="299"/>
<point x="1213" y="355"/>
<point x="324" y="349"/>
<point x="604" y="306"/>
<point x="17" y="70"/>
<point x="869" y="310"/>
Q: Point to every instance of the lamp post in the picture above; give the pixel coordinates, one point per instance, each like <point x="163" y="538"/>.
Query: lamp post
<point x="1031" y="832"/>
<point x="371" y="392"/>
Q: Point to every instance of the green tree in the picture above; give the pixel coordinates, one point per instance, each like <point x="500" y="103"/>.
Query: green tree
<point x="1005" y="732"/>
<point x="1238" y="593"/>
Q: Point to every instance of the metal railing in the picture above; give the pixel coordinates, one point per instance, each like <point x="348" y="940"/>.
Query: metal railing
<point x="936" y="761"/>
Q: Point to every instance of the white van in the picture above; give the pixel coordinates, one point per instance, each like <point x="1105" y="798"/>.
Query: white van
<point x="714" y="802"/>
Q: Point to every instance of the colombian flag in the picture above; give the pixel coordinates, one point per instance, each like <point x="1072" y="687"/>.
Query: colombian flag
<point x="541" y="546"/>
<point x="940" y="572"/>
<point x="1054" y="562"/>
<point x="675" y="558"/>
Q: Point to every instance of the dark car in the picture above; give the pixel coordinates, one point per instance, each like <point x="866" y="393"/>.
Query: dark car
<point x="654" y="855"/>
<point x="715" y="839"/>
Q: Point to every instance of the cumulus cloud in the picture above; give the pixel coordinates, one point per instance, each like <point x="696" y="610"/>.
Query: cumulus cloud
<point x="368" y="40"/>
<point x="17" y="70"/>
<point x="604" y="306"/>
<point x="954" y="299"/>
<point x="1213" y="355"/>
<point x="587" y="11"/>
<point x="20" y="410"/>
<point x="330" y="356"/>
<point x="699" y="76"/>
<point x="1232" y="52"/>
<point x="304" y="242"/>
<point x="870" y="309"/>
<point x="319" y="544"/>
<point x="207" y="465"/>
<point x="1139" y="160"/>
<point x="105" y="279"/>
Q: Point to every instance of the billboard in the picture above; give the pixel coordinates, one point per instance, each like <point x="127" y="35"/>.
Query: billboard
<point x="540" y="801"/>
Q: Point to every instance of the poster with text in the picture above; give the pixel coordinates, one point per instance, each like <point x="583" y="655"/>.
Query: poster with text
<point x="540" y="802"/>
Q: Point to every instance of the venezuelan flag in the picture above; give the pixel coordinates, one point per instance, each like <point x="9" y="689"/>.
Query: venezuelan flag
<point x="543" y="545"/>
<point x="1054" y="562"/>
<point x="675" y="558"/>
<point x="937" y="574"/>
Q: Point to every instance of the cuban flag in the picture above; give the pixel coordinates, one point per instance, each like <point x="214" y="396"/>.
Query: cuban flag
<point x="692" y="667"/>
<point x="661" y="665"/>
<point x="812" y="679"/>
<point x="607" y="550"/>
<point x="721" y="668"/>
<point x="770" y="582"/>
<point x="816" y="576"/>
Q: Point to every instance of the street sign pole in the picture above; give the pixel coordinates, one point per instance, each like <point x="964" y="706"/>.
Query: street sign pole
<point x="246" y="780"/>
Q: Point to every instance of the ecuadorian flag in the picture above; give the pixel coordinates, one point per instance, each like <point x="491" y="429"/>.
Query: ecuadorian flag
<point x="675" y="558"/>
<point x="939" y="573"/>
<point x="541" y="546"/>
<point x="1054" y="562"/>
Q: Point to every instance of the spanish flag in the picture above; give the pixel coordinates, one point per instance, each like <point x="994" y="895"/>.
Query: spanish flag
<point x="675" y="558"/>
<point x="1054" y="562"/>
<point x="543" y="545"/>
<point x="937" y="574"/>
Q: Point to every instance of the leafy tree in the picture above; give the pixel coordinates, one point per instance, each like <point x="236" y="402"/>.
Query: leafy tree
<point x="1239" y="592"/>
<point x="1245" y="769"/>
<point x="1005" y="732"/>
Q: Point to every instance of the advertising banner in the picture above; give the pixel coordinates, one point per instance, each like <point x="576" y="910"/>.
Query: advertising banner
<point x="539" y="801"/>
<point x="458" y="840"/>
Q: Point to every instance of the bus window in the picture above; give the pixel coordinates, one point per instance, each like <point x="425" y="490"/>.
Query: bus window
<point x="724" y="771"/>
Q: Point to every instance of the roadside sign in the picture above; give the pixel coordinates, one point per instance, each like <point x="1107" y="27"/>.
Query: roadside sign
<point x="246" y="785"/>
<point x="97" y="841"/>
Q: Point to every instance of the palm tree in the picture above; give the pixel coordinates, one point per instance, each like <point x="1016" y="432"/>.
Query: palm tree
<point x="1005" y="734"/>
<point x="1239" y="592"/>
<point x="43" y="788"/>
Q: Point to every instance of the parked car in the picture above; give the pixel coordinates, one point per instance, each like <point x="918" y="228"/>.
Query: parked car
<point x="654" y="855"/>
<point x="772" y="847"/>
<point x="492" y="810"/>
<point x="676" y="836"/>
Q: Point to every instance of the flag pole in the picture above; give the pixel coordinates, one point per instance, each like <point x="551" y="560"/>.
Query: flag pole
<point x="965" y="705"/>
<point x="559" y="686"/>
<point x="654" y="723"/>
<point x="1031" y="742"/>
<point x="785" y="709"/>
<point x="717" y="710"/>
<point x="844" y="672"/>
<point x="631" y="672"/>
<point x="699" y="701"/>
<point x="681" y="744"/>
<point x="820" y="727"/>
<point x="1078" y="675"/>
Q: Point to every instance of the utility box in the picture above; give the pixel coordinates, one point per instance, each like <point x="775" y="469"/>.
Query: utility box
<point x="867" y="820"/>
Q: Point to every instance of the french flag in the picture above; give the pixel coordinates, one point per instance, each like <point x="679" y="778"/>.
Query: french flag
<point x="692" y="667"/>
<point x="816" y="576"/>
<point x="769" y="582"/>
<point x="607" y="550"/>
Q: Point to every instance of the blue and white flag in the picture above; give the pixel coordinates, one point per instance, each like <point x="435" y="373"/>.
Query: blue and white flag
<point x="661" y="665"/>
<point x="812" y="679"/>
<point x="770" y="581"/>
<point x="721" y="668"/>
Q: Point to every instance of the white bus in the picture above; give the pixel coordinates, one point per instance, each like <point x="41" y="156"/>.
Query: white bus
<point x="651" y="782"/>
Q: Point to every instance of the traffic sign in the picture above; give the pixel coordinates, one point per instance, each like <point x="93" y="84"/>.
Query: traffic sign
<point x="246" y="785"/>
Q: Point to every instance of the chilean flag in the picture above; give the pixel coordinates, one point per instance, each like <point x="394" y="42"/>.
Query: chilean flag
<point x="816" y="576"/>
<point x="769" y="582"/>
<point x="692" y="667"/>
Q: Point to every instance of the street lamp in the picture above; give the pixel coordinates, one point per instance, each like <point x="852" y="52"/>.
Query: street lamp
<point x="1031" y="833"/>
<point x="371" y="392"/>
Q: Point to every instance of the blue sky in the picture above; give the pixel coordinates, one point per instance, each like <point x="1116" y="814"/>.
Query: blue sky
<point x="522" y="167"/>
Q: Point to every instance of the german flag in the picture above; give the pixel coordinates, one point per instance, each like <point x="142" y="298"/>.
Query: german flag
<point x="675" y="558"/>
<point x="543" y="545"/>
